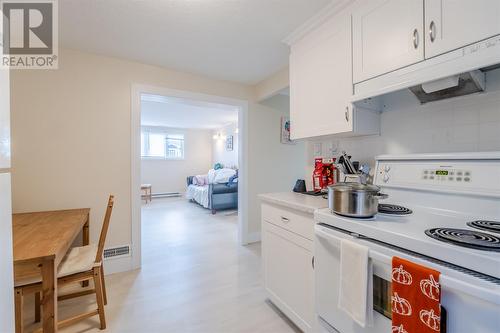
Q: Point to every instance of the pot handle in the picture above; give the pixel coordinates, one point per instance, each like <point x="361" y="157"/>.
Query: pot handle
<point x="381" y="196"/>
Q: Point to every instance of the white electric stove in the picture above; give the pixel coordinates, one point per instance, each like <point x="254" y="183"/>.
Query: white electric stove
<point x="443" y="211"/>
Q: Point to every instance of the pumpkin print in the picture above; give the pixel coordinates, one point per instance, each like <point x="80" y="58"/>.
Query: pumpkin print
<point x="400" y="305"/>
<point x="401" y="276"/>
<point x="399" y="329"/>
<point x="430" y="319"/>
<point x="430" y="288"/>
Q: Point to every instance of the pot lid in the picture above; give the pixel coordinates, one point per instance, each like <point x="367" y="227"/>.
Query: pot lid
<point x="355" y="187"/>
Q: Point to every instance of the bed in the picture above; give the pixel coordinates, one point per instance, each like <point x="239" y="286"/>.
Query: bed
<point x="213" y="196"/>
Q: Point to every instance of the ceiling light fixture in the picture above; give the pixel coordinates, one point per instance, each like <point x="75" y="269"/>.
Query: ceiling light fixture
<point x="218" y="136"/>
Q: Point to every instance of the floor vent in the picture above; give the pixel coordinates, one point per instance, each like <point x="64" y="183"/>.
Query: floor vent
<point x="115" y="252"/>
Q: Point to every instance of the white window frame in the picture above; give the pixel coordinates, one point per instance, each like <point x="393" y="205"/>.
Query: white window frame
<point x="166" y="132"/>
<point x="177" y="137"/>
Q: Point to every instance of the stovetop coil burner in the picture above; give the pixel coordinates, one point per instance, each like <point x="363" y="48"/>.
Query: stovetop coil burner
<point x="393" y="209"/>
<point x="492" y="226"/>
<point x="466" y="238"/>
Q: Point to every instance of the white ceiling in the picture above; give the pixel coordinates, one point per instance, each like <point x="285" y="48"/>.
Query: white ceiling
<point x="183" y="113"/>
<point x="235" y="40"/>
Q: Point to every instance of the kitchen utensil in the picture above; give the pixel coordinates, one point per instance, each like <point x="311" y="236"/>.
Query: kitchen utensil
<point x="348" y="164"/>
<point x="353" y="179"/>
<point x="365" y="173"/>
<point x="354" y="199"/>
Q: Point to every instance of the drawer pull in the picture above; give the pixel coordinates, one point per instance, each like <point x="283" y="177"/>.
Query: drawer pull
<point x="284" y="219"/>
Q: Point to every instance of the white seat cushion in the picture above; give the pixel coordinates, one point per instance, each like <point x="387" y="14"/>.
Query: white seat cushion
<point x="77" y="260"/>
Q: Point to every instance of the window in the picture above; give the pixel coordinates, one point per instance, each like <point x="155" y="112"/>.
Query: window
<point x="162" y="145"/>
<point x="175" y="146"/>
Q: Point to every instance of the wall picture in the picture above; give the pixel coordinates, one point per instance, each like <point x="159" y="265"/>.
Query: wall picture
<point x="285" y="131"/>
<point x="229" y="143"/>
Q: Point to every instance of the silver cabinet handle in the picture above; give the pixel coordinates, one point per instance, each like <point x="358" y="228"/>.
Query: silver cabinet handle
<point x="415" y="38"/>
<point x="312" y="262"/>
<point x="347" y="113"/>
<point x="432" y="31"/>
<point x="284" y="219"/>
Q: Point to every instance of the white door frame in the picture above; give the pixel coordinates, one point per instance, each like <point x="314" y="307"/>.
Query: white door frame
<point x="135" y="192"/>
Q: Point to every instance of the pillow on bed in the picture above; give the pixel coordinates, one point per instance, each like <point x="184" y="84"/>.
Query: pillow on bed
<point x="222" y="175"/>
<point x="200" y="180"/>
<point x="211" y="176"/>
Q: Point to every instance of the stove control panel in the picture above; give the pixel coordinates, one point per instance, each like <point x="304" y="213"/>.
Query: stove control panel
<point x="448" y="175"/>
<point x="452" y="176"/>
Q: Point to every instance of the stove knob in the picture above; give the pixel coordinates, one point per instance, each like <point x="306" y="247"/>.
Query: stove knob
<point x="387" y="168"/>
<point x="386" y="178"/>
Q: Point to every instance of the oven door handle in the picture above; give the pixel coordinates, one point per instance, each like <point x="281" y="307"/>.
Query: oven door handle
<point x="486" y="294"/>
<point x="331" y="238"/>
<point x="336" y="242"/>
<point x="489" y="295"/>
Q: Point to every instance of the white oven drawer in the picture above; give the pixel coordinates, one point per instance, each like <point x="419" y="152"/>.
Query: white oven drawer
<point x="296" y="222"/>
<point x="472" y="303"/>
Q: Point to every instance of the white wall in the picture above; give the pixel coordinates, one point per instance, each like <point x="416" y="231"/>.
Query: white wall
<point x="219" y="153"/>
<point x="272" y="166"/>
<point x="71" y="134"/>
<point x="6" y="281"/>
<point x="170" y="175"/>
<point x="272" y="85"/>
<point x="467" y="123"/>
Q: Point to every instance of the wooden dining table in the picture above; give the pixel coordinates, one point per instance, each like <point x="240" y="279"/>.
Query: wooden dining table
<point x="40" y="242"/>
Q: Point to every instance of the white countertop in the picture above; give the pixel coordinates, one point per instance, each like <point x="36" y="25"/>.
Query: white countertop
<point x="301" y="202"/>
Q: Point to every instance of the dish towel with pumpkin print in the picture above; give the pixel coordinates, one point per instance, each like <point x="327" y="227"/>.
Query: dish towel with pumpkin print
<point x="415" y="299"/>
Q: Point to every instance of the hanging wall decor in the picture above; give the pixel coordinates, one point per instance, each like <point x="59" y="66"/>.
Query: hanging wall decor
<point x="285" y="131"/>
<point x="229" y="143"/>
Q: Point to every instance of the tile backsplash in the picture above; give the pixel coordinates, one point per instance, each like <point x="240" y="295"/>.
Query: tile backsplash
<point x="467" y="123"/>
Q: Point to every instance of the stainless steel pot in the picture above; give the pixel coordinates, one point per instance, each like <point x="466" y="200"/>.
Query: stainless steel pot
<point x="354" y="199"/>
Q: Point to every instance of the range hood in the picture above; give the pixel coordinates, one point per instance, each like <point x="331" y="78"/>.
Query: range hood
<point x="452" y="86"/>
<point x="456" y="73"/>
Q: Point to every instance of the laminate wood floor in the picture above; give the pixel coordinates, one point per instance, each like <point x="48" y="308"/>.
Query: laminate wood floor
<point x="195" y="278"/>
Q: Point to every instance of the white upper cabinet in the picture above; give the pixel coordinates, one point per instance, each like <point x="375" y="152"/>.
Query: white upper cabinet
<point x="451" y="24"/>
<point x="387" y="35"/>
<point x="321" y="81"/>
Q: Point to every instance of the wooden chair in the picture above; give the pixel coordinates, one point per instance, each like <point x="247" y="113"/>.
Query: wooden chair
<point x="81" y="264"/>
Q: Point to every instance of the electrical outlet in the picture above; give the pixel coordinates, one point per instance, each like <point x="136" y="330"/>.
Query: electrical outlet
<point x="333" y="148"/>
<point x="318" y="149"/>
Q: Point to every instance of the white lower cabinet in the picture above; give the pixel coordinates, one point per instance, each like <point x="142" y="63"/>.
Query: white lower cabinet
<point x="288" y="264"/>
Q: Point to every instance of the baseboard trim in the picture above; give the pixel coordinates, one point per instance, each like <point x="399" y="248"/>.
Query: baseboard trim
<point x="253" y="237"/>
<point x="118" y="265"/>
<point x="166" y="194"/>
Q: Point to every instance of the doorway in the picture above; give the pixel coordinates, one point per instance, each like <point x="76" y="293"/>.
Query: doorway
<point x="220" y="138"/>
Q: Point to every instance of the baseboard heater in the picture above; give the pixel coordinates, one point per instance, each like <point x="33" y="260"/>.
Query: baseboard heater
<point x="166" y="194"/>
<point x="119" y="251"/>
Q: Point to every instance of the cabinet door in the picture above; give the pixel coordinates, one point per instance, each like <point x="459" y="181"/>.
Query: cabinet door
<point x="387" y="35"/>
<point x="451" y="24"/>
<point x="321" y="80"/>
<point x="288" y="274"/>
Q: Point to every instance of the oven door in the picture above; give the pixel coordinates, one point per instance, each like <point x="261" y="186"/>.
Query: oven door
<point x="472" y="304"/>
